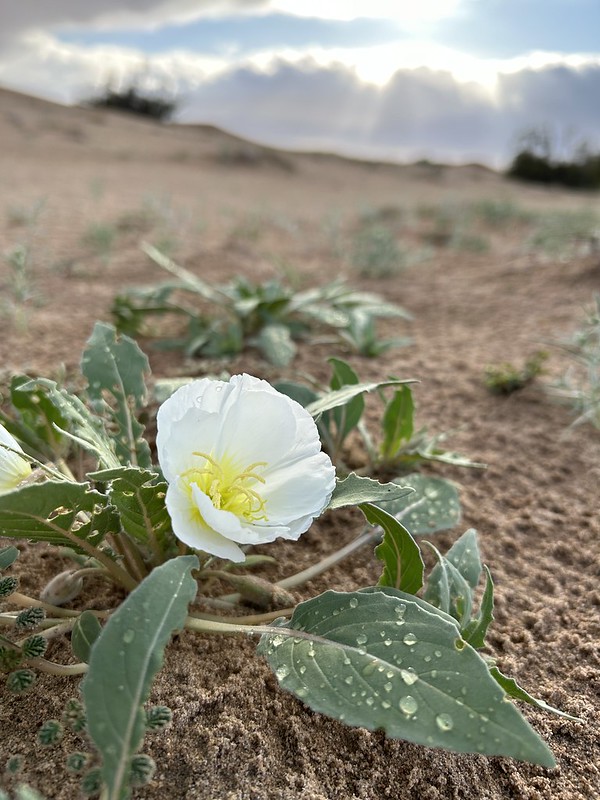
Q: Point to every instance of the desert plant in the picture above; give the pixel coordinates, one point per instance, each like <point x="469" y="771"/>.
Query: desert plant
<point x="580" y="385"/>
<point x="269" y="316"/>
<point x="134" y="99"/>
<point x="231" y="455"/>
<point x="507" y="378"/>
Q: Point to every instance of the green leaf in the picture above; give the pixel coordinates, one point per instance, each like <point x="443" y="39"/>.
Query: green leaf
<point x="8" y="555"/>
<point x="85" y="428"/>
<point x="434" y="505"/>
<point x="39" y="420"/>
<point x="475" y="632"/>
<point x="85" y="632"/>
<point x="354" y="490"/>
<point x="400" y="554"/>
<point x="276" y="344"/>
<point x="512" y="689"/>
<point x="348" y="416"/>
<point x="370" y="660"/>
<point x="44" y="512"/>
<point x="464" y="555"/>
<point x="114" y="368"/>
<point x="139" y="496"/>
<point x="347" y="393"/>
<point x="397" y="422"/>
<point x="124" y="661"/>
<point x="447" y="589"/>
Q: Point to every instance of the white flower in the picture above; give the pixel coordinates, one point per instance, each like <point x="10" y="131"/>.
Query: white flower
<point x="243" y="463"/>
<point x="13" y="468"/>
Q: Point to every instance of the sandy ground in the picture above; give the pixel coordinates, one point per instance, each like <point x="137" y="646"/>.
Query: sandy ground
<point x="225" y="208"/>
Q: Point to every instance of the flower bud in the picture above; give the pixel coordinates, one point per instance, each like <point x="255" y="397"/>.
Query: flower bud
<point x="63" y="588"/>
<point x="260" y="592"/>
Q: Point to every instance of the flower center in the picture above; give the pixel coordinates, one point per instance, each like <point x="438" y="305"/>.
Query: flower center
<point x="229" y="488"/>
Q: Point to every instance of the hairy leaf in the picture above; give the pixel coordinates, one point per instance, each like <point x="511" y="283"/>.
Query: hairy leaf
<point x="85" y="428"/>
<point x="124" y="660"/>
<point x="8" y="555"/>
<point x="344" y="395"/>
<point x="47" y="511"/>
<point x="139" y="496"/>
<point x="433" y="506"/>
<point x="354" y="490"/>
<point x="276" y="344"/>
<point x="381" y="662"/>
<point x="114" y="368"/>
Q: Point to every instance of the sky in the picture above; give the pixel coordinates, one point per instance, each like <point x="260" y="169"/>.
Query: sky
<point x="448" y="80"/>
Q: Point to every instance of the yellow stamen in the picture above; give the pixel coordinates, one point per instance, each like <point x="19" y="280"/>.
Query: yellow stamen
<point x="226" y="485"/>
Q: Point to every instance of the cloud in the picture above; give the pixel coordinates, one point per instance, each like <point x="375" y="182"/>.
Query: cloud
<point x="27" y="16"/>
<point x="419" y="113"/>
<point x="308" y="103"/>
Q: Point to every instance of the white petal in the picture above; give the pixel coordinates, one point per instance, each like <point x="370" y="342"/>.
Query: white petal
<point x="196" y="432"/>
<point x="259" y="426"/>
<point x="13" y="468"/>
<point x="190" y="530"/>
<point x="9" y="440"/>
<point x="299" y="488"/>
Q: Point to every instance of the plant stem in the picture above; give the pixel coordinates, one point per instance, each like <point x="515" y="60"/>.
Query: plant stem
<point x="248" y="619"/>
<point x="211" y="626"/>
<point x="57" y="669"/>
<point x="29" y="602"/>
<point x="368" y="536"/>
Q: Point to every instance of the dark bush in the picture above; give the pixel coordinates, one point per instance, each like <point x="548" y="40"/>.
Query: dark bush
<point x="535" y="162"/>
<point x="134" y="100"/>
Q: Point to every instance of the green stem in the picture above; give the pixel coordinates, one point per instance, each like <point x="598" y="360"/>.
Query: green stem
<point x="57" y="669"/>
<point x="248" y="619"/>
<point x="29" y="602"/>
<point x="368" y="536"/>
<point x="212" y="626"/>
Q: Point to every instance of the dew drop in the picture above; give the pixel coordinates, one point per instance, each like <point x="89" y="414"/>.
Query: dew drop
<point x="388" y="686"/>
<point x="369" y="701"/>
<point x="385" y="704"/>
<point x="282" y="672"/>
<point x="302" y="669"/>
<point x="353" y="602"/>
<point x="438" y="653"/>
<point x="311" y="652"/>
<point x="408" y="705"/>
<point x="301" y="691"/>
<point x="389" y="674"/>
<point x="370" y="668"/>
<point x="361" y="638"/>
<point x="278" y="640"/>
<point x="444" y="722"/>
<point x="387" y="642"/>
<point x="409" y="676"/>
<point x="410" y="639"/>
<point x="349" y="680"/>
<point x="399" y="622"/>
<point x="346" y="661"/>
<point x="128" y="636"/>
